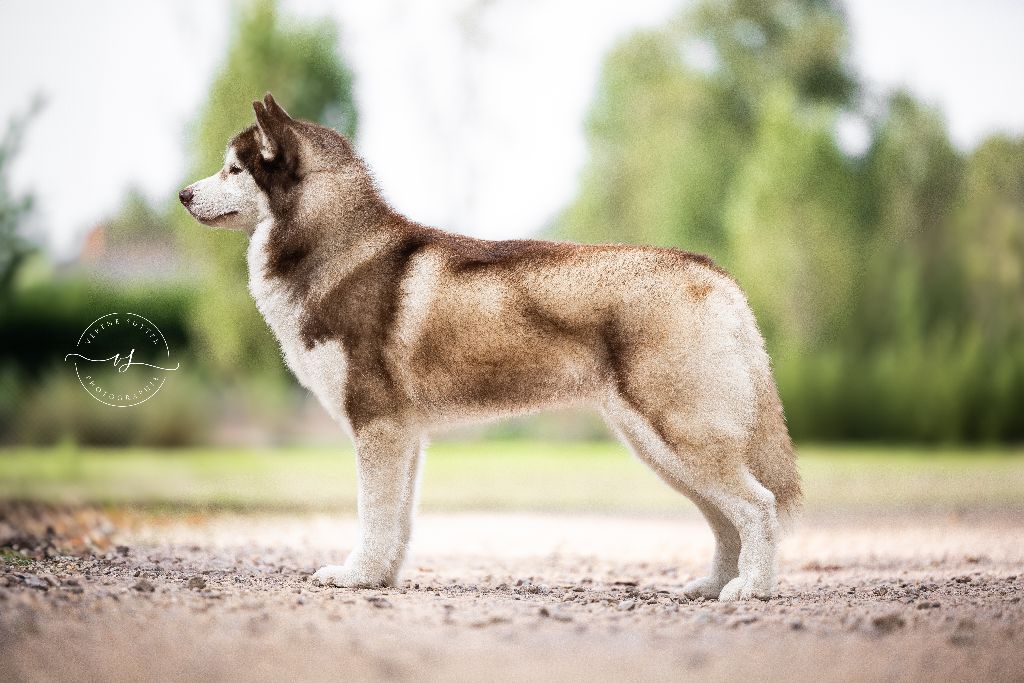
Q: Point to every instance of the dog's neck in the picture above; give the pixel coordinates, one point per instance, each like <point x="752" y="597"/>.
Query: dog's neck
<point x="270" y="293"/>
<point x="297" y="257"/>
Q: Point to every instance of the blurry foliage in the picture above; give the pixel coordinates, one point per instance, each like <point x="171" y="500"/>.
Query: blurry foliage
<point x="14" y="210"/>
<point x="889" y="286"/>
<point x="56" y="410"/>
<point x="681" y="108"/>
<point x="757" y="44"/>
<point x="656" y="127"/>
<point x="989" y="228"/>
<point x="138" y="221"/>
<point x="40" y="324"/>
<point x="787" y="240"/>
<point x="40" y="398"/>
<point x="300" y="63"/>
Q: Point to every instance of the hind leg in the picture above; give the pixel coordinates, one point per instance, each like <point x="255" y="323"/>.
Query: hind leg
<point x="641" y="438"/>
<point x="707" y="466"/>
<point x="750" y="507"/>
<point x="725" y="565"/>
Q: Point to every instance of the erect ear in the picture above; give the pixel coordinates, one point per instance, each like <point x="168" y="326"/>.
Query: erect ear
<point x="269" y="130"/>
<point x="275" y="110"/>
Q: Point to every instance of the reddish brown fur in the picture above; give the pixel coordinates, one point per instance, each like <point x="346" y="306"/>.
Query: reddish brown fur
<point x="429" y="328"/>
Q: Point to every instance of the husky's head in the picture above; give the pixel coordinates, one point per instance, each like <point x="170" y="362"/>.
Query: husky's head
<point x="264" y="169"/>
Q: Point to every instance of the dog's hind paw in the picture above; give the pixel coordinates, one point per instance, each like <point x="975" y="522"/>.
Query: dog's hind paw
<point x="344" y="576"/>
<point x="707" y="587"/>
<point x="744" y="588"/>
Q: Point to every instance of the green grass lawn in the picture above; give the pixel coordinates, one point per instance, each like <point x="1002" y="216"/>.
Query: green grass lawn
<point x="497" y="475"/>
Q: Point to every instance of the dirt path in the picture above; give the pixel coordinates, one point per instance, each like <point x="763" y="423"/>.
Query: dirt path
<point x="489" y="597"/>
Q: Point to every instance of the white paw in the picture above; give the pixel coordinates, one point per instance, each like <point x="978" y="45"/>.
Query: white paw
<point x="744" y="588"/>
<point x="344" y="576"/>
<point x="707" y="587"/>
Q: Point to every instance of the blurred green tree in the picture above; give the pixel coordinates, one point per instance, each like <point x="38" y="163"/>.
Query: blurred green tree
<point x="14" y="210"/>
<point x="756" y="44"/>
<point x="989" y="234"/>
<point x="677" y="110"/>
<point x="989" y="228"/>
<point x="907" y="312"/>
<point x="911" y="183"/>
<point x="792" y="222"/>
<point x="663" y="141"/>
<point x="301" y="64"/>
<point x="138" y="220"/>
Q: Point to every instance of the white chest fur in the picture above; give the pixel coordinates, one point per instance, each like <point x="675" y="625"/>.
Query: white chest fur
<point x="321" y="369"/>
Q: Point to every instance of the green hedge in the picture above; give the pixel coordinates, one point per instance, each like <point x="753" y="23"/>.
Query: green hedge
<point x="42" y="323"/>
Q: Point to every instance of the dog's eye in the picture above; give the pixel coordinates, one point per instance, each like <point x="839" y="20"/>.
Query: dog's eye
<point x="233" y="170"/>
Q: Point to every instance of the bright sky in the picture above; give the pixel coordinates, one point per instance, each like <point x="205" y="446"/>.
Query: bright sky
<point x="484" y="137"/>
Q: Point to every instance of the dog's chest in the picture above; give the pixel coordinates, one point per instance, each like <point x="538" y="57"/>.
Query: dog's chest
<point x="321" y="369"/>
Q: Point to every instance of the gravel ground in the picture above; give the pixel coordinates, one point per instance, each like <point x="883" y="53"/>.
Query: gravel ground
<point x="118" y="595"/>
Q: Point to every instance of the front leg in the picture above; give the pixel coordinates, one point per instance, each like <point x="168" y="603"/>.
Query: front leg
<point x="387" y="463"/>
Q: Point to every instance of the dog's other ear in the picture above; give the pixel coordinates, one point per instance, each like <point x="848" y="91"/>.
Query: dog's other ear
<point x="270" y="129"/>
<point x="278" y="137"/>
<point x="275" y="109"/>
<point x="271" y="121"/>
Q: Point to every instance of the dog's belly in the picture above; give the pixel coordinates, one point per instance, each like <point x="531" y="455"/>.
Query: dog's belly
<point x="461" y="389"/>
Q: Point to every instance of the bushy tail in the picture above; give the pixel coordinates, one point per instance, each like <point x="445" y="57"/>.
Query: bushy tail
<point x="770" y="456"/>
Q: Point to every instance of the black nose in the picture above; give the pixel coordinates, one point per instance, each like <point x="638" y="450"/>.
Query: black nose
<point x="185" y="196"/>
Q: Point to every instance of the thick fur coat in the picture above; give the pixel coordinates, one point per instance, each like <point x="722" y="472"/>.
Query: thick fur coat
<point x="401" y="329"/>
